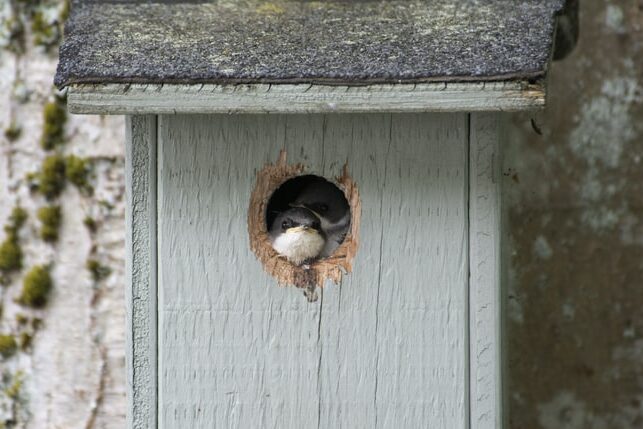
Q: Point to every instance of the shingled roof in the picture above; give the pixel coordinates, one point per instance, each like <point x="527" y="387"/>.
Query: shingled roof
<point x="339" y="42"/>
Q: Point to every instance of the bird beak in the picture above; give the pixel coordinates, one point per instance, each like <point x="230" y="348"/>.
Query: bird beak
<point x="301" y="228"/>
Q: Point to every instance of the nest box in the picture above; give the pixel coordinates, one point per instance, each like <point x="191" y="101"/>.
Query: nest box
<point x="397" y="103"/>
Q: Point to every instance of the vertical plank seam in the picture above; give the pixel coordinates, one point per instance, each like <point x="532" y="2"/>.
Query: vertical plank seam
<point x="467" y="323"/>
<point x="502" y="293"/>
<point x="379" y="273"/>
<point x="319" y="362"/>
<point x="154" y="259"/>
<point x="129" y="287"/>
<point x="377" y="318"/>
<point x="321" y="304"/>
<point x="323" y="146"/>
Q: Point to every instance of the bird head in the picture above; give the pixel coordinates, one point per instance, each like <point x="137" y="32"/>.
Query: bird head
<point x="325" y="200"/>
<point x="297" y="219"/>
<point x="296" y="233"/>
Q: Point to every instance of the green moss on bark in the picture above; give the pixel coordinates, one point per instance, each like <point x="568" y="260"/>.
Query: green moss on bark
<point x="13" y="389"/>
<point x="14" y="30"/>
<point x="8" y="345"/>
<point x="10" y="251"/>
<point x="17" y="218"/>
<point x="10" y="255"/>
<point x="50" y="218"/>
<point x="54" y="119"/>
<point x="45" y="33"/>
<point x="36" y="287"/>
<point x="25" y="340"/>
<point x="21" y="319"/>
<point x="12" y="132"/>
<point x="91" y="224"/>
<point x="51" y="179"/>
<point x="77" y="172"/>
<point x="98" y="271"/>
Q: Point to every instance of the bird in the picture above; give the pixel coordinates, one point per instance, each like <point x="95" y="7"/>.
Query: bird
<point x="329" y="204"/>
<point x="297" y="235"/>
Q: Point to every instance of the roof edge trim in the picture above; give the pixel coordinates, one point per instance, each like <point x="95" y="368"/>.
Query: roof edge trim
<point x="132" y="99"/>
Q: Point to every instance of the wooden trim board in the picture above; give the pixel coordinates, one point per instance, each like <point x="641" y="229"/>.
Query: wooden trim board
<point x="134" y="99"/>
<point x="485" y="292"/>
<point x="141" y="265"/>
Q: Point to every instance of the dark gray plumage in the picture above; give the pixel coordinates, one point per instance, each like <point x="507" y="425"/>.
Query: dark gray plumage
<point x="328" y="202"/>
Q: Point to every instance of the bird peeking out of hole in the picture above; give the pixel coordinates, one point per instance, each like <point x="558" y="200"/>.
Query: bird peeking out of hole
<point x="329" y="204"/>
<point x="297" y="234"/>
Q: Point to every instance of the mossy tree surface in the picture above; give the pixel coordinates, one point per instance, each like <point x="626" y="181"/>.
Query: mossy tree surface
<point x="8" y="345"/>
<point x="14" y="30"/>
<point x="91" y="224"/>
<point x="50" y="218"/>
<point x="53" y="131"/>
<point x="97" y="270"/>
<point x="77" y="172"/>
<point x="39" y="18"/>
<point x="36" y="287"/>
<point x="45" y="33"/>
<point x="29" y="32"/>
<point x="13" y="132"/>
<point x="11" y="254"/>
<point x="51" y="179"/>
<point x="17" y="218"/>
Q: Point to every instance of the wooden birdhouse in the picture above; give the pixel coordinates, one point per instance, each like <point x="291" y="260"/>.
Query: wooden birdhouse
<point x="232" y="108"/>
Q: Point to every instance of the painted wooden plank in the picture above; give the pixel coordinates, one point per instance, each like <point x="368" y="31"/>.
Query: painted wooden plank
<point x="421" y="310"/>
<point x="235" y="349"/>
<point x="348" y="326"/>
<point x="385" y="349"/>
<point x="394" y="350"/>
<point x="291" y="98"/>
<point x="485" y="286"/>
<point x="140" y="297"/>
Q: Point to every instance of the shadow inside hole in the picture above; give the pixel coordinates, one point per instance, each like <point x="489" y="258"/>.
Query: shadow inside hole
<point x="288" y="192"/>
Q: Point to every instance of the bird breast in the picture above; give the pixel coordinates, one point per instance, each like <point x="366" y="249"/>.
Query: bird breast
<point x="299" y="245"/>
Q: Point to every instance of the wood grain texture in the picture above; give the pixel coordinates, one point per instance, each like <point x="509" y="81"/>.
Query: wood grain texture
<point x="140" y="297"/>
<point x="387" y="348"/>
<point x="486" y="296"/>
<point x="304" y="98"/>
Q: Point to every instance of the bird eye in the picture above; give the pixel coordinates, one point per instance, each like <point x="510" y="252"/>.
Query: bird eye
<point x="285" y="225"/>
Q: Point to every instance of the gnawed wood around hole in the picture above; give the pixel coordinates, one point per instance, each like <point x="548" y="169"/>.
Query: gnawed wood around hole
<point x="269" y="179"/>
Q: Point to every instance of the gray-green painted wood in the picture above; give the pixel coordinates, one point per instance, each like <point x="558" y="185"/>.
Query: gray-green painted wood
<point x="141" y="305"/>
<point x="386" y="349"/>
<point x="486" y="295"/>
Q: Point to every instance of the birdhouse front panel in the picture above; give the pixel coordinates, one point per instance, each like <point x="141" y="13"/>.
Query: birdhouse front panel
<point x="386" y="347"/>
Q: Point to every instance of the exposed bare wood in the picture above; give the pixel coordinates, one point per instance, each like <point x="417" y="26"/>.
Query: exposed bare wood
<point x="286" y="98"/>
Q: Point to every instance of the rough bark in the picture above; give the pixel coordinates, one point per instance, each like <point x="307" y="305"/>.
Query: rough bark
<point x="72" y="374"/>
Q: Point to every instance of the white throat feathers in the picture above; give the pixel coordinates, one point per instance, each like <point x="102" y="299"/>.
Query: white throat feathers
<point x="299" y="244"/>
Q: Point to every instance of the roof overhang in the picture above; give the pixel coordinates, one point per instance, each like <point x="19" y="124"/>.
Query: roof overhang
<point x="286" y="56"/>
